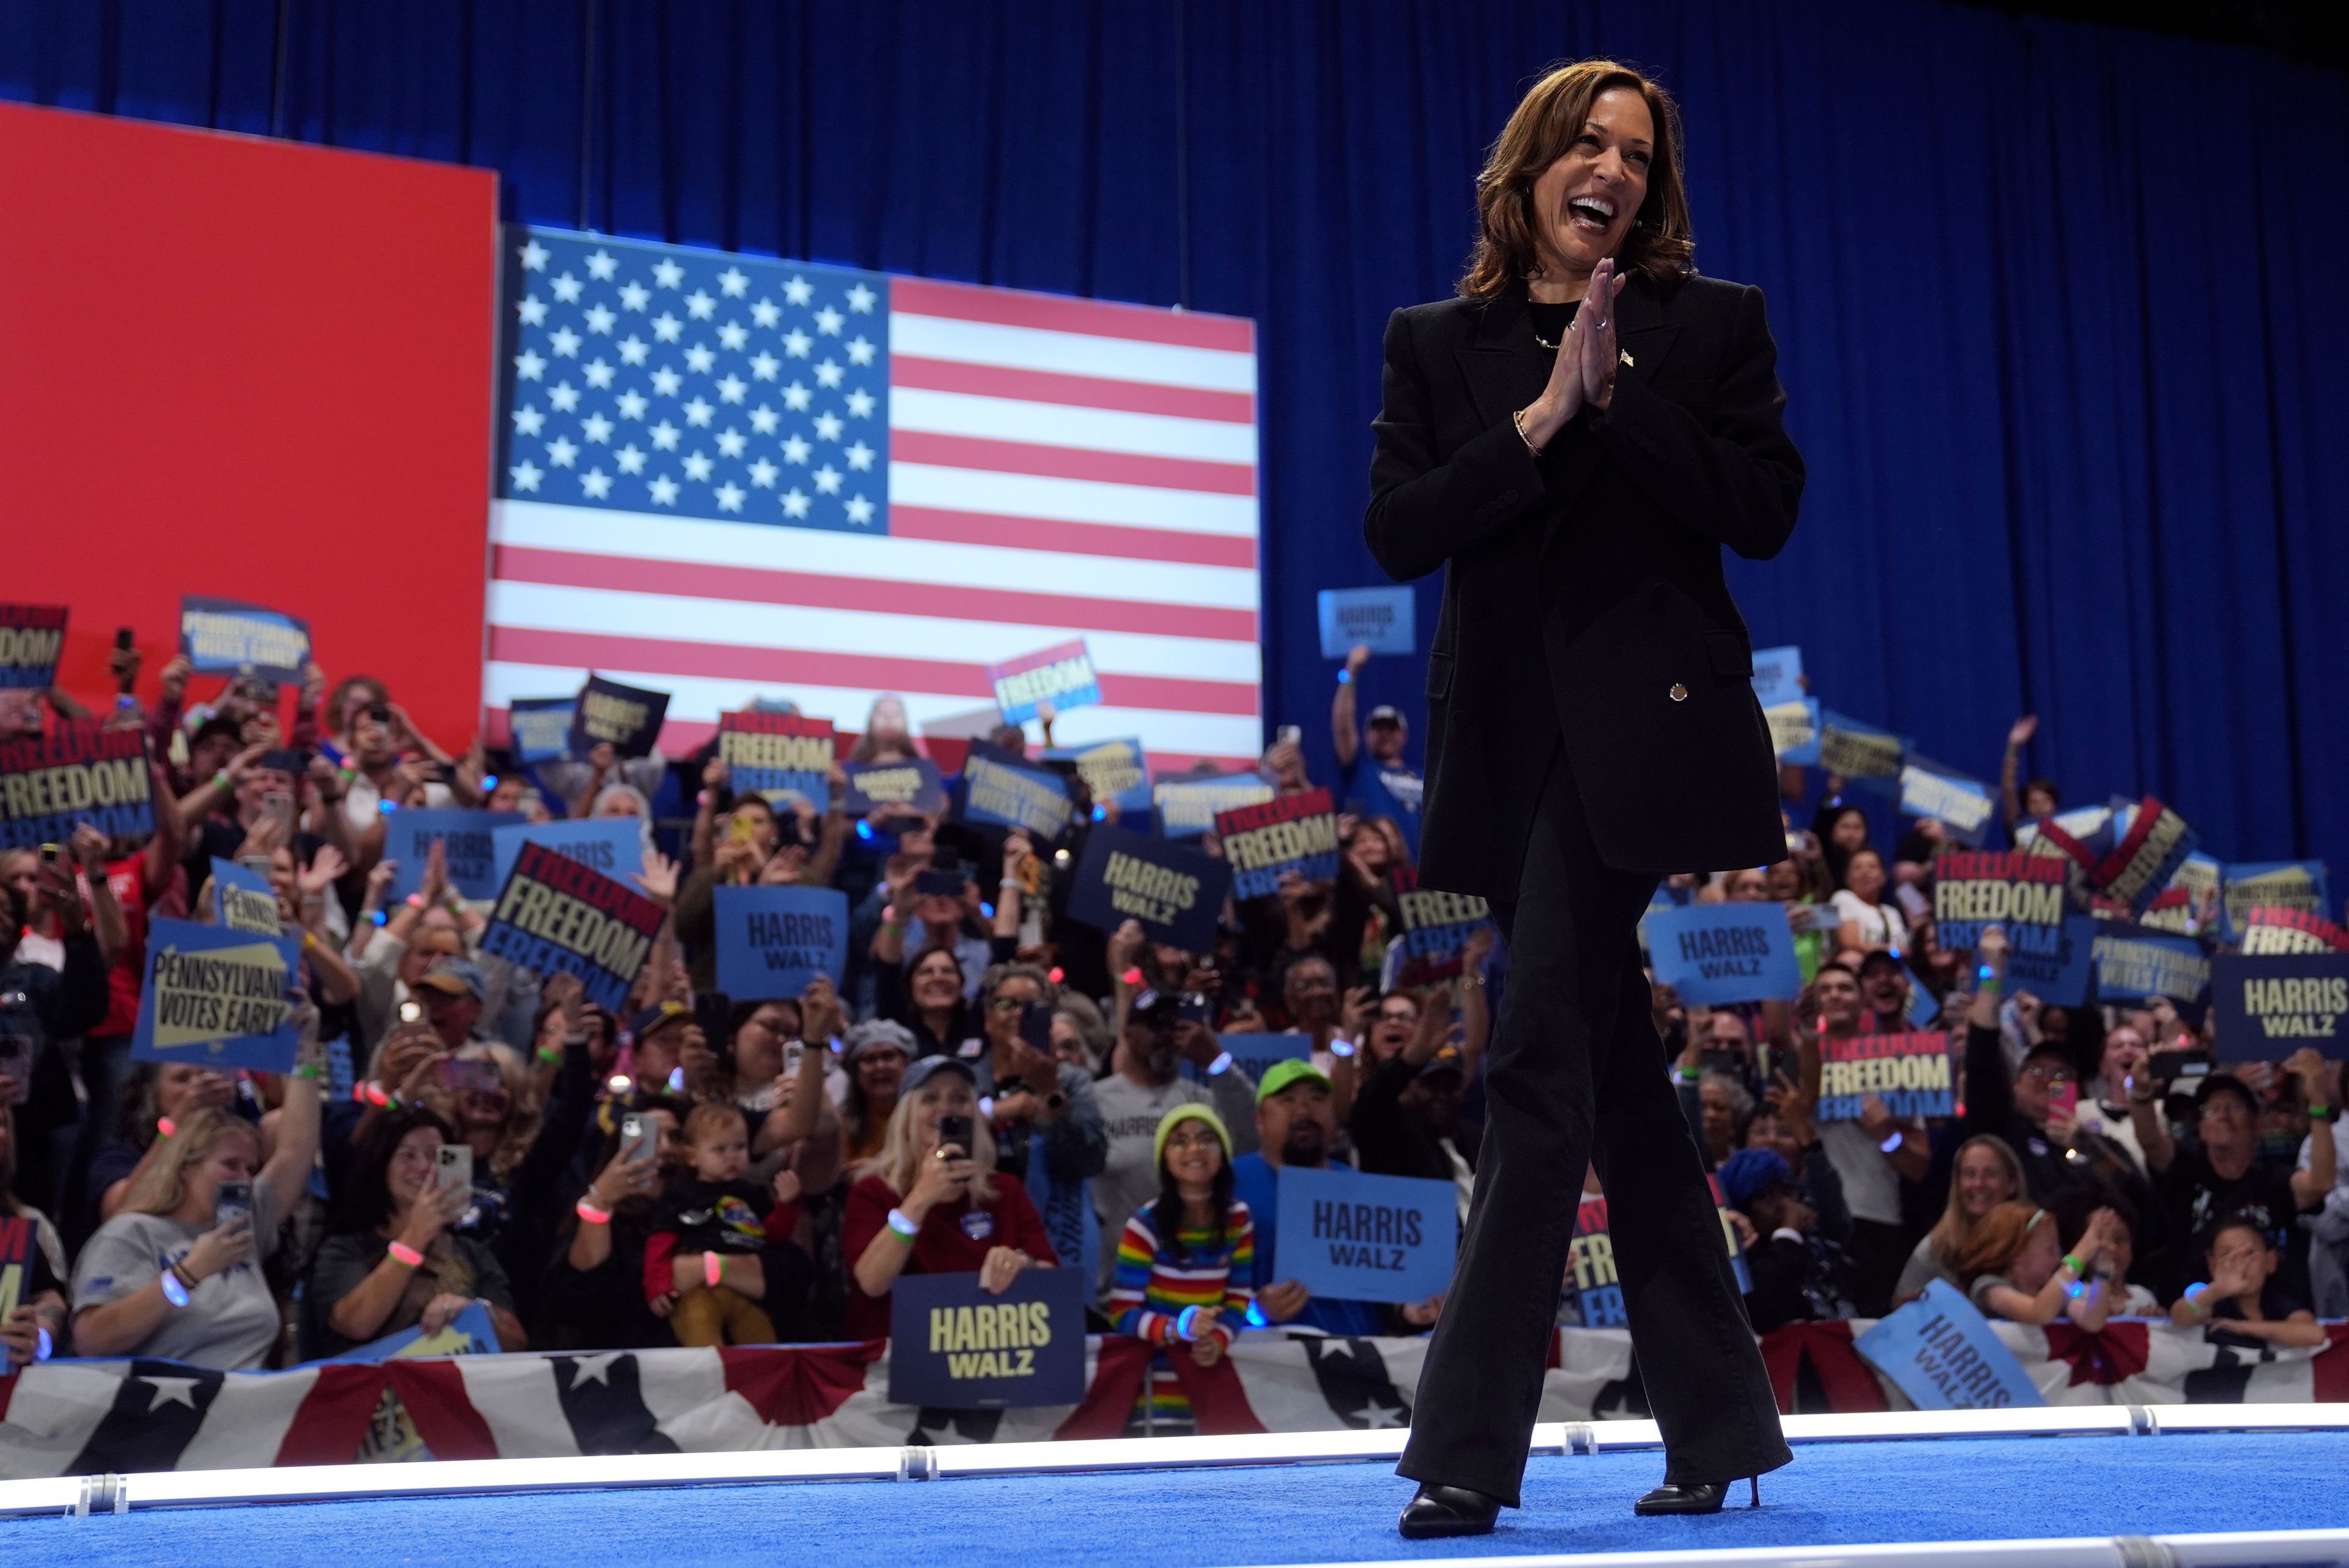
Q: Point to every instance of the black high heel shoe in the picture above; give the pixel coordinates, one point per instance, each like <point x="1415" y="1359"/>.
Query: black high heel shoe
<point x="1692" y="1497"/>
<point x="1440" y="1510"/>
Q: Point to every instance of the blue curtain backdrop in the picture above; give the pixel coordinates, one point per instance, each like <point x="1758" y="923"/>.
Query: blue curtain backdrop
<point x="2058" y="308"/>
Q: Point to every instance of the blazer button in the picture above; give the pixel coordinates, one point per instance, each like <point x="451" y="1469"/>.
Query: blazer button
<point x="1679" y="693"/>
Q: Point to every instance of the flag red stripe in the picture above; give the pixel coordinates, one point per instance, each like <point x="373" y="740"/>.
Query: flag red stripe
<point x="749" y="585"/>
<point x="1061" y="312"/>
<point x="1071" y="462"/>
<point x="730" y="661"/>
<point x="437" y="1401"/>
<point x="1078" y="391"/>
<point x="1071" y="538"/>
<point x="332" y="1416"/>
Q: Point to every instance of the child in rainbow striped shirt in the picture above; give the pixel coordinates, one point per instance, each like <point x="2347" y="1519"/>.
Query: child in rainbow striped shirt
<point x="1184" y="1262"/>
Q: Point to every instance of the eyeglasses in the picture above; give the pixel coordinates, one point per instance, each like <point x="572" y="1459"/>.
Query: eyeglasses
<point x="1200" y="1139"/>
<point x="1007" y="1004"/>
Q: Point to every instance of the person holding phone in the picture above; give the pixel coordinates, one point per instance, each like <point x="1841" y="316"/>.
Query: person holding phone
<point x="594" y="1292"/>
<point x="933" y="1202"/>
<point x="1046" y="1123"/>
<point x="44" y="1004"/>
<point x="391" y="1260"/>
<point x="176" y="1273"/>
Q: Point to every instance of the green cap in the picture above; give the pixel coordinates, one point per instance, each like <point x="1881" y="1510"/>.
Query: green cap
<point x="1280" y="1074"/>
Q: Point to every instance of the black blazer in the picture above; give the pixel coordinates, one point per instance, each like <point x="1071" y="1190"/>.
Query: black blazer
<point x="1585" y="599"/>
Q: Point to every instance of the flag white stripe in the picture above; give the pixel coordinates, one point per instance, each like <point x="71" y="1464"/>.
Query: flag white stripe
<point x="247" y="1421"/>
<point x="1061" y="500"/>
<point x="1063" y="425"/>
<point x="615" y="613"/>
<point x="825" y="552"/>
<point x="1071" y="353"/>
<point x="704" y="698"/>
<point x="516" y="1400"/>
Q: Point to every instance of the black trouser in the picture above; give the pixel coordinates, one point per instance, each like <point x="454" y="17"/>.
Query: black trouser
<point x="1577" y="1074"/>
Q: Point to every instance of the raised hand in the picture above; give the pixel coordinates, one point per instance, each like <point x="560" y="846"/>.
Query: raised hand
<point x="1594" y="335"/>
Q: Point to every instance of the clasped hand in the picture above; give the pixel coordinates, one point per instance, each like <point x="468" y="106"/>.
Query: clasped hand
<point x="1584" y="371"/>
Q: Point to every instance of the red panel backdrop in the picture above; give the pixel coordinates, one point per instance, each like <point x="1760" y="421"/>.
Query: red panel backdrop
<point x="245" y="368"/>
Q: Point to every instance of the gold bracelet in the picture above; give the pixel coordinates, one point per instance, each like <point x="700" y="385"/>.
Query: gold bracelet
<point x="1519" y="419"/>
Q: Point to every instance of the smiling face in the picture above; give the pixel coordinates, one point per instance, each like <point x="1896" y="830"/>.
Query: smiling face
<point x="412" y="1169"/>
<point x="233" y="1156"/>
<point x="1585" y="201"/>
<point x="1863" y="875"/>
<point x="936" y="979"/>
<point x="1839" y="997"/>
<point x="1193" y="1155"/>
<point x="1398" y="1020"/>
<point x="1983" y="1181"/>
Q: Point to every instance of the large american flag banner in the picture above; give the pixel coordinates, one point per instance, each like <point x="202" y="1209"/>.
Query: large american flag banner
<point x="728" y="477"/>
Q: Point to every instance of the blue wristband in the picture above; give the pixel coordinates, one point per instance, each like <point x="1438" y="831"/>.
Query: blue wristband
<point x="1889" y="1145"/>
<point x="173" y="1291"/>
<point x="1220" y="1066"/>
<point x="1345" y="675"/>
<point x="44" y="1347"/>
<point x="1183" y="1321"/>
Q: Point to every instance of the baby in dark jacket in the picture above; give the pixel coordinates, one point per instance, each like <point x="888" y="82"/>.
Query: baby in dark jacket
<point x="720" y="1264"/>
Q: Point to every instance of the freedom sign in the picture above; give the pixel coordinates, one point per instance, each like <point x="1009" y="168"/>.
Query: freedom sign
<point x="626" y="718"/>
<point x="1715" y="953"/>
<point x="1910" y="1073"/>
<point x="2011" y="887"/>
<point x="778" y="756"/>
<point x="32" y="640"/>
<point x="538" y="729"/>
<point x="954" y="1347"/>
<point x="217" y="998"/>
<point x="1000" y="788"/>
<point x="1590" y="1260"/>
<point x="772" y="941"/>
<point x="1352" y="1237"/>
<point x="612" y="845"/>
<point x="1061" y="675"/>
<point x="556" y="915"/>
<point x="2270" y="885"/>
<point x="77" y="774"/>
<point x="2265" y="1008"/>
<point x="1289" y="833"/>
<point x="1436" y="926"/>
<point x="1938" y="1351"/>
<point x="242" y="900"/>
<point x="468" y="845"/>
<point x="2268" y="930"/>
<point x="224" y="636"/>
<point x="1381" y="619"/>
<point x="2134" y="963"/>
<point x="1187" y="805"/>
<point x="2141" y="865"/>
<point x="1176" y="892"/>
<point x="909" y="785"/>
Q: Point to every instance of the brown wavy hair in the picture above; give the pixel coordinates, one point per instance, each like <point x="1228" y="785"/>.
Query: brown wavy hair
<point x="1661" y="244"/>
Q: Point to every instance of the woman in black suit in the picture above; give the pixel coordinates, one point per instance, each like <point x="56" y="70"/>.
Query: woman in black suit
<point x="1576" y="437"/>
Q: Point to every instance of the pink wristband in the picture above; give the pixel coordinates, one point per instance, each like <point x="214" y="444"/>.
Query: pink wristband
<point x="713" y="1268"/>
<point x="593" y="1215"/>
<point x="402" y="1253"/>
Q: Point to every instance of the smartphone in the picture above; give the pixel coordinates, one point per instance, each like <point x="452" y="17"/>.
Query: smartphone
<point x="379" y="711"/>
<point x="2063" y="1100"/>
<point x="479" y="1076"/>
<point x="1728" y="1062"/>
<point x="234" y="1200"/>
<point x="793" y="1051"/>
<point x="411" y="1012"/>
<point x="1036" y="1026"/>
<point x="1288" y="735"/>
<point x="16" y="1063"/>
<point x="122" y="639"/>
<point x="636" y="1140"/>
<point x="254" y="863"/>
<point x="1194" y="1008"/>
<point x="279" y="805"/>
<point x="2181" y="1072"/>
<point x="742" y="829"/>
<point x="954" y="1130"/>
<point x="453" y="1165"/>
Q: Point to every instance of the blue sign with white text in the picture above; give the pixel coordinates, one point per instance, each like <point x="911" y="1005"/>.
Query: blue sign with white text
<point x="2134" y="962"/>
<point x="467" y="843"/>
<point x="1778" y="675"/>
<point x="1379" y="619"/>
<point x="242" y="899"/>
<point x="1944" y="1355"/>
<point x="217" y="998"/>
<point x="1000" y="788"/>
<point x="772" y="941"/>
<point x="1352" y="1237"/>
<point x="612" y="845"/>
<point x="224" y="636"/>
<point x="1715" y="953"/>
<point x="539" y="728"/>
<point x="2059" y="976"/>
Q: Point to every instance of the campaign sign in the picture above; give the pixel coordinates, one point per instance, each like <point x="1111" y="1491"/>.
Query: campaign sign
<point x="1858" y="750"/>
<point x="1381" y="619"/>
<point x="1176" y="892"/>
<point x="2292" y="931"/>
<point x="32" y="639"/>
<point x="1590" y="1263"/>
<point x="467" y="843"/>
<point x="2011" y="887"/>
<point x="626" y="718"/>
<point x="1001" y="788"/>
<point x="778" y="756"/>
<point x="2266" y="1008"/>
<point x="953" y="1346"/>
<point x="469" y="1332"/>
<point x="2059" y="977"/>
<point x="1963" y="805"/>
<point x="1714" y="953"/>
<point x="612" y="845"/>
<point x="79" y="773"/>
<point x="1943" y="1354"/>
<point x="2134" y="963"/>
<point x="242" y="900"/>
<point x="910" y="785"/>
<point x="1061" y="675"/>
<point x="538" y="729"/>
<point x="2141" y="865"/>
<point x="1255" y="1054"/>
<point x="1112" y="770"/>
<point x="557" y="915"/>
<point x="221" y="636"/>
<point x="19" y="1237"/>
<point x="772" y="941"/>
<point x="1187" y="804"/>
<point x="1777" y="675"/>
<point x="1909" y="1073"/>
<point x="216" y="998"/>
<point x="1795" y="729"/>
<point x="1352" y="1237"/>
<point x="2269" y="885"/>
<point x="1289" y="833"/>
<point x="1436" y="926"/>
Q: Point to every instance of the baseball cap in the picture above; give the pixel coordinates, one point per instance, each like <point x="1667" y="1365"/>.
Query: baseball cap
<point x="1879" y="958"/>
<point x="456" y="977"/>
<point x="1194" y="1112"/>
<point x="1388" y="713"/>
<point x="929" y="1067"/>
<point x="1280" y="1074"/>
<point x="878" y="1031"/>
<point x="656" y="1016"/>
<point x="1445" y="1060"/>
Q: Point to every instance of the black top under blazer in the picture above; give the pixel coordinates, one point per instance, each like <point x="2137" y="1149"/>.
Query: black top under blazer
<point x="1585" y="599"/>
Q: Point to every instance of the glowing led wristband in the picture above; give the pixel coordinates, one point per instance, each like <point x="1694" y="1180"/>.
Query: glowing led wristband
<point x="173" y="1291"/>
<point x="713" y="1268"/>
<point x="405" y="1255"/>
<point x="1185" y="1321"/>
<point x="1221" y="1065"/>
<point x="906" y="1229"/>
<point x="593" y="1215"/>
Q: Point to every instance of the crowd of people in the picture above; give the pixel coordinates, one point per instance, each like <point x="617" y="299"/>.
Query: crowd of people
<point x="992" y="1086"/>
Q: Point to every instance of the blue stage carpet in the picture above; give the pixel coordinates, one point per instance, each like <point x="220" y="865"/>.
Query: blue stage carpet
<point x="1833" y="1494"/>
